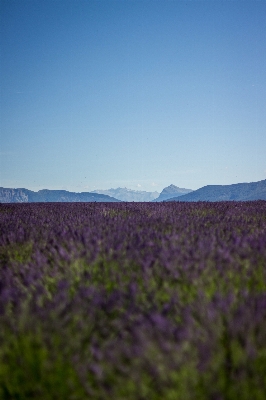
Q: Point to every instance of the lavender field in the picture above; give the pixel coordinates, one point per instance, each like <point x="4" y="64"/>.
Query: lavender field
<point x="133" y="301"/>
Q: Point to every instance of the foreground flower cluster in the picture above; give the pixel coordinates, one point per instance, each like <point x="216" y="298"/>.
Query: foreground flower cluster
<point x="133" y="301"/>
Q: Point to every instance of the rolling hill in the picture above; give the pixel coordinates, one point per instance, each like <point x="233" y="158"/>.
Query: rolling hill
<point x="237" y="192"/>
<point x="23" y="195"/>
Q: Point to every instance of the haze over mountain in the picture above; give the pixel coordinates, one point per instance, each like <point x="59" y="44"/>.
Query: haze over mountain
<point x="22" y="195"/>
<point x="237" y="192"/>
<point x="125" y="194"/>
<point x="172" y="191"/>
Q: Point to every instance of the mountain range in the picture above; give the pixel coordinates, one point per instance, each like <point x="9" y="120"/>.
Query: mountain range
<point x="125" y="194"/>
<point x="237" y="192"/>
<point x="28" y="196"/>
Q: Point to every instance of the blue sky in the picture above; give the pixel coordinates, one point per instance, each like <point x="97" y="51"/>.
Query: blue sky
<point x="142" y="94"/>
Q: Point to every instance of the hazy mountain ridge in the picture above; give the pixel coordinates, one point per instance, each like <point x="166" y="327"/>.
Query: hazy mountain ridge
<point x="125" y="194"/>
<point x="172" y="191"/>
<point x="234" y="192"/>
<point x="23" y="195"/>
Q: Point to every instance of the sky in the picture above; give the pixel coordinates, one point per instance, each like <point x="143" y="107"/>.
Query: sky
<point x="99" y="94"/>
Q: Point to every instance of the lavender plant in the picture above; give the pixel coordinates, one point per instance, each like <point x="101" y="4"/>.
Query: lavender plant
<point x="133" y="300"/>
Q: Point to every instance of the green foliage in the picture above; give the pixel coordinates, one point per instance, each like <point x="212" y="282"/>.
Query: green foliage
<point x="18" y="252"/>
<point x="30" y="369"/>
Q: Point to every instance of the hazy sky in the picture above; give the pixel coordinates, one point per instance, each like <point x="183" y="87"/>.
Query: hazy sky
<point x="142" y="94"/>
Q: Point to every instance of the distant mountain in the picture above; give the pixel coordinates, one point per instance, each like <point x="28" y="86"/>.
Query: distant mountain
<point x="172" y="191"/>
<point x="125" y="194"/>
<point x="238" y="191"/>
<point x="28" y="196"/>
